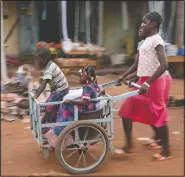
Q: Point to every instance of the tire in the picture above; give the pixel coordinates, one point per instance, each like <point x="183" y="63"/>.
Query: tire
<point x="66" y="131"/>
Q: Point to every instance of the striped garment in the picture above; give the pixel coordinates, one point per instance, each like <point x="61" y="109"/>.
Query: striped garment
<point x="58" y="81"/>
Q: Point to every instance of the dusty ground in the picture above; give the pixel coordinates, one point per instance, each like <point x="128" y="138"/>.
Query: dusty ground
<point x="21" y="154"/>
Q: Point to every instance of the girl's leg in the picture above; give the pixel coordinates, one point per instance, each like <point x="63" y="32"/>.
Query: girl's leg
<point x="156" y="144"/>
<point x="156" y="132"/>
<point x="127" y="125"/>
<point x="164" y="140"/>
<point x="157" y="135"/>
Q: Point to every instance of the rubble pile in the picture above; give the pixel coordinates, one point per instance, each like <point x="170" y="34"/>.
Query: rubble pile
<point x="15" y="104"/>
<point x="14" y="96"/>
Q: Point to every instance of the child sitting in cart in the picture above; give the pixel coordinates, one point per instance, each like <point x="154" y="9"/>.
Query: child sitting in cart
<point x="66" y="111"/>
<point x="53" y="76"/>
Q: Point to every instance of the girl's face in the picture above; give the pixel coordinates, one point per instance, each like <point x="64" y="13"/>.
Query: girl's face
<point x="145" y="27"/>
<point x="83" y="78"/>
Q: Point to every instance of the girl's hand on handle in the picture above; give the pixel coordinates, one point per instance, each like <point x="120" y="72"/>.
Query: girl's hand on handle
<point x="143" y="89"/>
<point x="120" y="80"/>
<point x="129" y="80"/>
<point x="132" y="84"/>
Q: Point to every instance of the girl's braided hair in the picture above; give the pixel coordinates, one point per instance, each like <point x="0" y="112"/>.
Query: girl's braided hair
<point x="154" y="17"/>
<point x="91" y="74"/>
<point x="90" y="70"/>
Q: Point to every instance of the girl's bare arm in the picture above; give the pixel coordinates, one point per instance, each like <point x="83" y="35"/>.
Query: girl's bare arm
<point x="82" y="102"/>
<point x="132" y="69"/>
<point x="163" y="64"/>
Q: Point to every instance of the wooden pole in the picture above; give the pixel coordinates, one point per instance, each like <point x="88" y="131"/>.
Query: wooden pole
<point x="64" y="20"/>
<point x="100" y="25"/>
<point x="124" y="15"/>
<point x="76" y="21"/>
<point x="87" y="21"/>
<point x="179" y="26"/>
<point x="171" y="22"/>
<point x="4" y="74"/>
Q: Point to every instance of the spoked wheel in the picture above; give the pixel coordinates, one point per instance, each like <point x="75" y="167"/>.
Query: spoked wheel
<point x="82" y="147"/>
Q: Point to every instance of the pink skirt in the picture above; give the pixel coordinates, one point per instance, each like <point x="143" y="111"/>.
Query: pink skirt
<point x="150" y="108"/>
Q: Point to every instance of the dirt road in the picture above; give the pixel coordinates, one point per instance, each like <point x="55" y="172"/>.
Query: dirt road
<point x="21" y="154"/>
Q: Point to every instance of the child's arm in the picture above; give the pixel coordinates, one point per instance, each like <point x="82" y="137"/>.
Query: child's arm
<point x="83" y="102"/>
<point x="132" y="69"/>
<point x="131" y="76"/>
<point x="163" y="64"/>
<point x="86" y="95"/>
<point x="41" y="88"/>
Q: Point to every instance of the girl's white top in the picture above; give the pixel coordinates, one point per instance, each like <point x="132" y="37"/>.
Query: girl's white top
<point x="148" y="60"/>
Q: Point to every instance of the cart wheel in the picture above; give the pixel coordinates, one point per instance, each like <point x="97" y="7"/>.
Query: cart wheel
<point x="82" y="147"/>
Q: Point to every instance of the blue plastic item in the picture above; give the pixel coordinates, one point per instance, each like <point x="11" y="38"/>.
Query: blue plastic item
<point x="180" y="52"/>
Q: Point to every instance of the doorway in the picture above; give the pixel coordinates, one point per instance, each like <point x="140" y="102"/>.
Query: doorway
<point x="49" y="24"/>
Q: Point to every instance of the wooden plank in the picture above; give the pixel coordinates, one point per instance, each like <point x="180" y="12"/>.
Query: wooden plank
<point x="6" y="45"/>
<point x="77" y="52"/>
<point x="176" y="59"/>
<point x="11" y="30"/>
<point x="74" y="62"/>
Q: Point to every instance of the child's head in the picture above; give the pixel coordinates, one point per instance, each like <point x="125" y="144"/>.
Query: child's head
<point x="151" y="23"/>
<point x="88" y="75"/>
<point x="43" y="56"/>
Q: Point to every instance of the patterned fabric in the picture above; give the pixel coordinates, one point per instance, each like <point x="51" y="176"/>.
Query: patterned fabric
<point x="140" y="43"/>
<point x="66" y="112"/>
<point x="148" y="60"/>
<point x="58" y="81"/>
<point x="51" y="110"/>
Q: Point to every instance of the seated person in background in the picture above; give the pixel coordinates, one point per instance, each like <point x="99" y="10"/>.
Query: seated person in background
<point x="66" y="111"/>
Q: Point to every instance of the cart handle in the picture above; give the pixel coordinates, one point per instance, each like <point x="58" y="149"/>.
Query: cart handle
<point x="114" y="83"/>
<point x="133" y="84"/>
